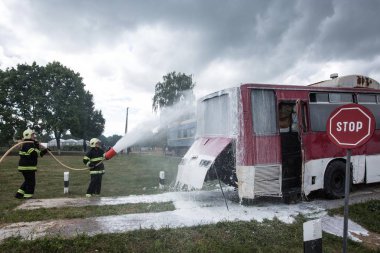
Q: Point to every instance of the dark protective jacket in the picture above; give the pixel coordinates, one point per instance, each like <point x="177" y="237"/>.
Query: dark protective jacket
<point x="92" y="158"/>
<point x="29" y="154"/>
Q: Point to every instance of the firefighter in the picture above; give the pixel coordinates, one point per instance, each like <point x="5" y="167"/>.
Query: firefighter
<point x="27" y="165"/>
<point x="93" y="160"/>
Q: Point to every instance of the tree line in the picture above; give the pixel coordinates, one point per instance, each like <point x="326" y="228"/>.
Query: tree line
<point x="50" y="99"/>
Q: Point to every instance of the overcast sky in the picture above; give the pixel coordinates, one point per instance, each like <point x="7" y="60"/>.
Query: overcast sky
<point x="123" y="48"/>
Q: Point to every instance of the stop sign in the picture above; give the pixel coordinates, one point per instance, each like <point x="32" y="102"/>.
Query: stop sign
<point x="350" y="126"/>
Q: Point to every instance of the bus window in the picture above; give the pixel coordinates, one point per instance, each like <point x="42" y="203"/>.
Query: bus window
<point x="366" y="98"/>
<point x="320" y="110"/>
<point x="340" y="98"/>
<point x="263" y="107"/>
<point x="372" y="103"/>
<point x="319" y="97"/>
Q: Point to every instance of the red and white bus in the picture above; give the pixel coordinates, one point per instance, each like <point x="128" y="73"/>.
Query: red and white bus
<point x="271" y="140"/>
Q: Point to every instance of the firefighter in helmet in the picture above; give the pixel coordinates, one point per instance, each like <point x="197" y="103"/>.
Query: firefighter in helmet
<point x="93" y="160"/>
<point x="27" y="165"/>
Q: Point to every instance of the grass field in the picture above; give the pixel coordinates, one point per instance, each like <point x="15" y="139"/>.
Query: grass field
<point x="138" y="174"/>
<point x="125" y="175"/>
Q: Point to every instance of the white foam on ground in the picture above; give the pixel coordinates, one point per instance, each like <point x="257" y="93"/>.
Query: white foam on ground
<point x="192" y="209"/>
<point x="334" y="225"/>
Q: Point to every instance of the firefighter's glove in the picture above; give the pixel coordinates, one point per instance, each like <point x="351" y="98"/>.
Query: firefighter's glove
<point x="36" y="144"/>
<point x="43" y="152"/>
<point x="90" y="165"/>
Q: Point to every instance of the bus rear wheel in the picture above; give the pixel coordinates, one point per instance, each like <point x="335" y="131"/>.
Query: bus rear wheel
<point x="334" y="183"/>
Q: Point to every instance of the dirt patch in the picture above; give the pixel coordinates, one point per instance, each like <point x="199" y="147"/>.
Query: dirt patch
<point x="371" y="241"/>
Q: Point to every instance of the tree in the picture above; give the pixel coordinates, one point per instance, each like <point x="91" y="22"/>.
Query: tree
<point x="90" y="121"/>
<point x="110" y="140"/>
<point x="7" y="119"/>
<point x="175" y="88"/>
<point x="62" y="99"/>
<point x="48" y="99"/>
<point x="24" y="85"/>
<point x="172" y="89"/>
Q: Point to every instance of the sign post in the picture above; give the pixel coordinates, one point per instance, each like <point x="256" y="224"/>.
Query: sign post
<point x="346" y="198"/>
<point x="349" y="126"/>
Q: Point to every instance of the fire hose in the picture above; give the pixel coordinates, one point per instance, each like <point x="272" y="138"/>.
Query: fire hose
<point x="55" y="158"/>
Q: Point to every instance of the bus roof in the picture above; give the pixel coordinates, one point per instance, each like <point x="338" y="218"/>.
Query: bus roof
<point x="350" y="81"/>
<point x="344" y="83"/>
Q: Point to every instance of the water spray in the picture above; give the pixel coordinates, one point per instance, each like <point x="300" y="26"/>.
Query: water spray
<point x="132" y="138"/>
<point x="149" y="128"/>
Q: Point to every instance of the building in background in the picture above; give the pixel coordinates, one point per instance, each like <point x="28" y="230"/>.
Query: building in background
<point x="69" y="144"/>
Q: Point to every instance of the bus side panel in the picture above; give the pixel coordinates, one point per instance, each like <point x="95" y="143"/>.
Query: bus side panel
<point x="314" y="174"/>
<point x="259" y="150"/>
<point x="255" y="150"/>
<point x="266" y="150"/>
<point x="372" y="147"/>
<point x="319" y="151"/>
<point x="372" y="152"/>
<point x="317" y="145"/>
<point x="373" y="171"/>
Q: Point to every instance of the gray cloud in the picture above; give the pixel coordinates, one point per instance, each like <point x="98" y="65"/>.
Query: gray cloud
<point x="226" y="27"/>
<point x="238" y="40"/>
<point x="233" y="29"/>
<point x="352" y="32"/>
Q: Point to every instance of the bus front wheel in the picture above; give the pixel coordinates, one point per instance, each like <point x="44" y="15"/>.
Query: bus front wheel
<point x="335" y="179"/>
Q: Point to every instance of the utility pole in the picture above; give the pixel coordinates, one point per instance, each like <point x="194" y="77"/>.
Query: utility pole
<point x="126" y="122"/>
<point x="126" y="130"/>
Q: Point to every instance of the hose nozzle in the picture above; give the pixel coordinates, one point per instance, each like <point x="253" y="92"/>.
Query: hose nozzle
<point x="110" y="153"/>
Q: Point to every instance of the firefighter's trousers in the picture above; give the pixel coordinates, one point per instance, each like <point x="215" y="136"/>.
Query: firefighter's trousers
<point x="26" y="190"/>
<point x="95" y="184"/>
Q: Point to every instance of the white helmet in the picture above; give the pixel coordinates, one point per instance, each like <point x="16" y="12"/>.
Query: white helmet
<point x="93" y="142"/>
<point x="27" y="134"/>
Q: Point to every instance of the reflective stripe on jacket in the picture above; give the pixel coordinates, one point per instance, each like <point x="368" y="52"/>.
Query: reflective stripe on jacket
<point x="29" y="154"/>
<point x="92" y="172"/>
<point x="92" y="159"/>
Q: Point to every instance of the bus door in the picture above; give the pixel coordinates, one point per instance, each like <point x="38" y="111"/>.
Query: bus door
<point x="290" y="146"/>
